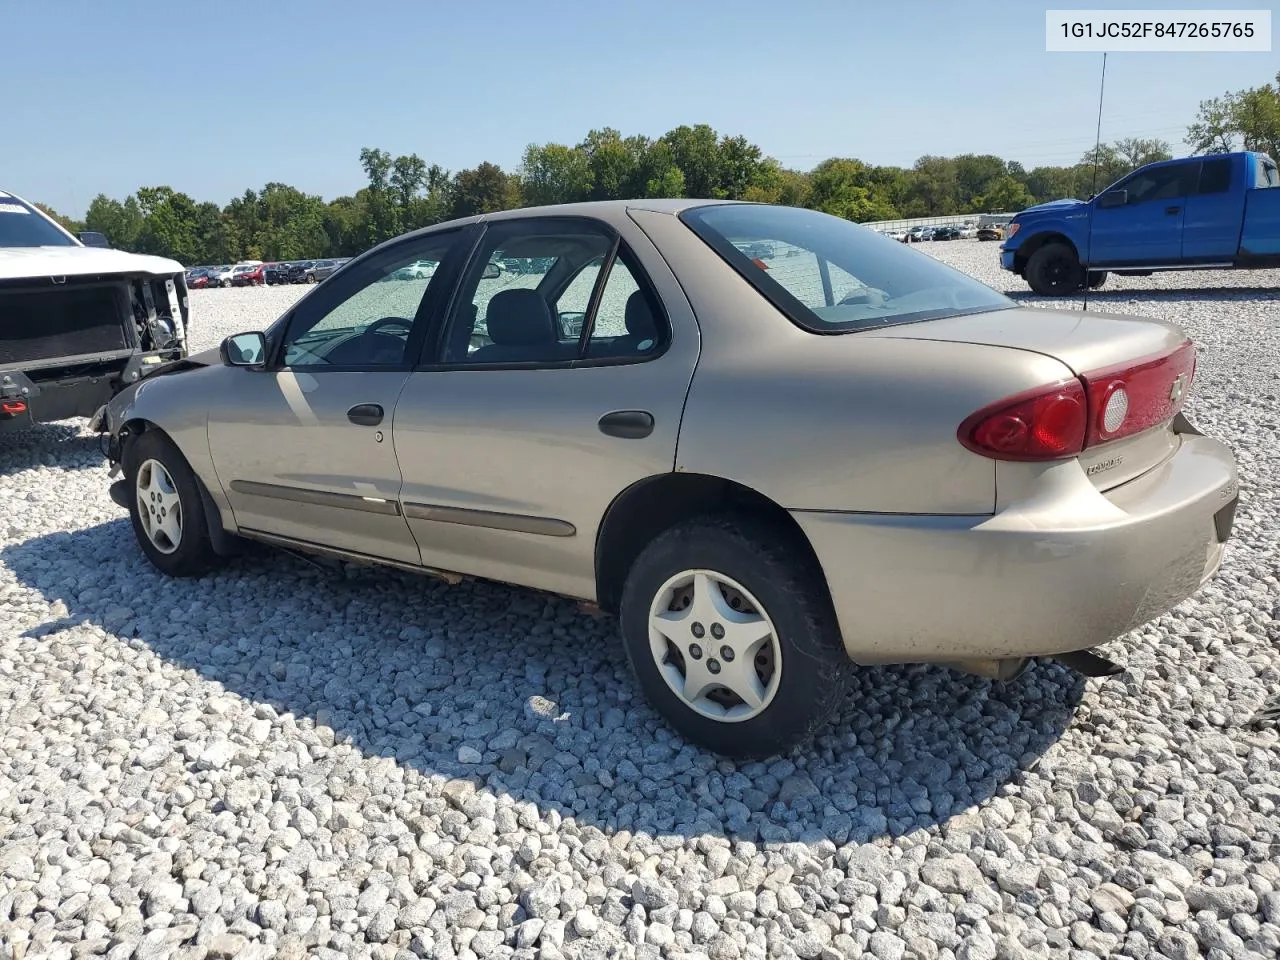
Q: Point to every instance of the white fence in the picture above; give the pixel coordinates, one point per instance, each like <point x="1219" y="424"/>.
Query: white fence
<point x="979" y="219"/>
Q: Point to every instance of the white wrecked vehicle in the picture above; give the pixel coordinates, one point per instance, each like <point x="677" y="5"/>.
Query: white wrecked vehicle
<point x="78" y="322"/>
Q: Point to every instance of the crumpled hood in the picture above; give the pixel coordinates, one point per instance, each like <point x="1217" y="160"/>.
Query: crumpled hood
<point x="17" y="263"/>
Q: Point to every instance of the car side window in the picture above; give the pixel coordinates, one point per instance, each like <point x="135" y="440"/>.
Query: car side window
<point x="521" y="299"/>
<point x="629" y="321"/>
<point x="1162" y="183"/>
<point x="1215" y="176"/>
<point x="1267" y="175"/>
<point x="369" y="325"/>
<point x="572" y="304"/>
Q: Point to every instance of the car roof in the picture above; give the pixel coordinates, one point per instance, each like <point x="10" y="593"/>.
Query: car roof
<point x="607" y="210"/>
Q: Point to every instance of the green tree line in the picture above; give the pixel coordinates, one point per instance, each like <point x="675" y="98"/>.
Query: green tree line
<point x="281" y="222"/>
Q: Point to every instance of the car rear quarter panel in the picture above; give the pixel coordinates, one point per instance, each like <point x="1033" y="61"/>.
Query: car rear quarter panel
<point x="839" y="422"/>
<point x="1260" y="235"/>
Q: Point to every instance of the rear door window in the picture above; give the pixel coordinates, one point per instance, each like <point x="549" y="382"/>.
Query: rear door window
<point x="1215" y="176"/>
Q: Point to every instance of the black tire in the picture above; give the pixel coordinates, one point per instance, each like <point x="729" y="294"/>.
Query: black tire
<point x="1054" y="271"/>
<point x="766" y="560"/>
<point x="194" y="555"/>
<point x="1097" y="278"/>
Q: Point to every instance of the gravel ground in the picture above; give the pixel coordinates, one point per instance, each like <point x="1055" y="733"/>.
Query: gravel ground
<point x="282" y="761"/>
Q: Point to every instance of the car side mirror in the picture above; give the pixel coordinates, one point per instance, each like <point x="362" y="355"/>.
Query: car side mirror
<point x="1113" y="198"/>
<point x="491" y="271"/>
<point x="91" y="238"/>
<point x="244" y="349"/>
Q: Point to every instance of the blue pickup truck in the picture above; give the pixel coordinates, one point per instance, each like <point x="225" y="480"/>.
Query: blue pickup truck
<point x="1198" y="213"/>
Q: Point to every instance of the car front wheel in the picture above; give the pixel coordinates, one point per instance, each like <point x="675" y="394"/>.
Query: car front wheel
<point x="1055" y="271"/>
<point x="165" y="507"/>
<point x="730" y="632"/>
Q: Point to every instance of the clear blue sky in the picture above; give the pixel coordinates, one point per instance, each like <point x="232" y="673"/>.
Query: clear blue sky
<point x="109" y="95"/>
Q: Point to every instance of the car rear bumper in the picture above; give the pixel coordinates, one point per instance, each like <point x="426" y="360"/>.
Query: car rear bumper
<point x="48" y="401"/>
<point x="1058" y="572"/>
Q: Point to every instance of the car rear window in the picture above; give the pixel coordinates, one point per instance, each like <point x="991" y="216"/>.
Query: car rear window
<point x="829" y="275"/>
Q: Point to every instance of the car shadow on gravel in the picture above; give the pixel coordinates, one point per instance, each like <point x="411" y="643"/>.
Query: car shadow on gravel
<point x="64" y="445"/>
<point x="524" y="694"/>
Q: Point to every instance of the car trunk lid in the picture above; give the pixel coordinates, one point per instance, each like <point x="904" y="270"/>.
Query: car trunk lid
<point x="1151" y="362"/>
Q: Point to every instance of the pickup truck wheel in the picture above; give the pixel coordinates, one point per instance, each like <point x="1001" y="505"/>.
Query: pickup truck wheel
<point x="165" y="507"/>
<point x="732" y="636"/>
<point x="1097" y="278"/>
<point x="1054" y="271"/>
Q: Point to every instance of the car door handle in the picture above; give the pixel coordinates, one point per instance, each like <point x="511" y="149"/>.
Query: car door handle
<point x="627" y="424"/>
<point x="1172" y="210"/>
<point x="366" y="414"/>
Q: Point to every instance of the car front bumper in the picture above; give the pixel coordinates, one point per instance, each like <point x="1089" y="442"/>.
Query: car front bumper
<point x="1064" y="570"/>
<point x="1006" y="258"/>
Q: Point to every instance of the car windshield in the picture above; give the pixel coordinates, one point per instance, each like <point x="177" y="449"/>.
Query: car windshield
<point x="829" y="275"/>
<point x="22" y="226"/>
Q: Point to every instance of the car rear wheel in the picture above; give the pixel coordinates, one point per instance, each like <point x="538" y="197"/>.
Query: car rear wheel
<point x="165" y="507"/>
<point x="732" y="636"/>
<point x="1054" y="271"/>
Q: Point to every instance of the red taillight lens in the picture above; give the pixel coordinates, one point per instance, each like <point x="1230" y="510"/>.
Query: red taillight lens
<point x="1063" y="419"/>
<point x="1133" y="397"/>
<point x="1044" y="424"/>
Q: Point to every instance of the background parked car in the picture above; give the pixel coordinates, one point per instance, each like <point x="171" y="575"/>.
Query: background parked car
<point x="946" y="233"/>
<point x="298" y="271"/>
<point x="322" y="269"/>
<point x="992" y="231"/>
<point x="248" y="275"/>
<point x="276" y="273"/>
<point x="198" y="278"/>
<point x="220" y="276"/>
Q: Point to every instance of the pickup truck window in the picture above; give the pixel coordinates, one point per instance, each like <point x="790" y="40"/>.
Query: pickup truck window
<point x="22" y="226"/>
<point x="1215" y="176"/>
<point x="1268" y="176"/>
<point x="1161" y="183"/>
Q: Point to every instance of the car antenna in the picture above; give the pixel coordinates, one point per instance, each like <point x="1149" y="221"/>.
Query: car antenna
<point x="1097" y="150"/>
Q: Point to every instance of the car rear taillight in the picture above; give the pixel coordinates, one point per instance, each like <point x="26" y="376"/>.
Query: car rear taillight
<point x="1063" y="419"/>
<point x="1048" y="423"/>
<point x="1132" y="397"/>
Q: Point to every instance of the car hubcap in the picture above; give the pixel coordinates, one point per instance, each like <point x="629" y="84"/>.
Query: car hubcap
<point x="1059" y="272"/>
<point x="715" y="646"/>
<point x="159" y="506"/>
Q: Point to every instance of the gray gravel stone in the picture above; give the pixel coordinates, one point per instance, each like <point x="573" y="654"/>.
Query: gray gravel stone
<point x="1223" y="901"/>
<point x="279" y="760"/>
